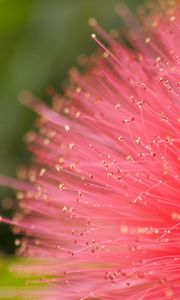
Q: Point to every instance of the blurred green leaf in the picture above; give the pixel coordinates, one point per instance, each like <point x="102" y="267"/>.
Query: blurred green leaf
<point x="15" y="285"/>
<point x="8" y="280"/>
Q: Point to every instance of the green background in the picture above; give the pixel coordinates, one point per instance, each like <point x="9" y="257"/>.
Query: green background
<point x="39" y="41"/>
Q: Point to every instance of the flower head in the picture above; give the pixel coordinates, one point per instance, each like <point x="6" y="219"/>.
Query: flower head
<point x="100" y="204"/>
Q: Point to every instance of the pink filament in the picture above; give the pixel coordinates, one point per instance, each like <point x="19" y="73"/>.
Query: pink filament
<point x="103" y="208"/>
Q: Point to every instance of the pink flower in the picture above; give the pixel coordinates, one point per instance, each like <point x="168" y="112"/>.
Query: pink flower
<point x="100" y="205"/>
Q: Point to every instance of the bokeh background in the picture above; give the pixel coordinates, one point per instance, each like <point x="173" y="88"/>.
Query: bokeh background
<point x="40" y="40"/>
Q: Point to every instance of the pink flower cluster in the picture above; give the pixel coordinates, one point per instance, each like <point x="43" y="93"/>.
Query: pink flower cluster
<point x="100" y="205"/>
